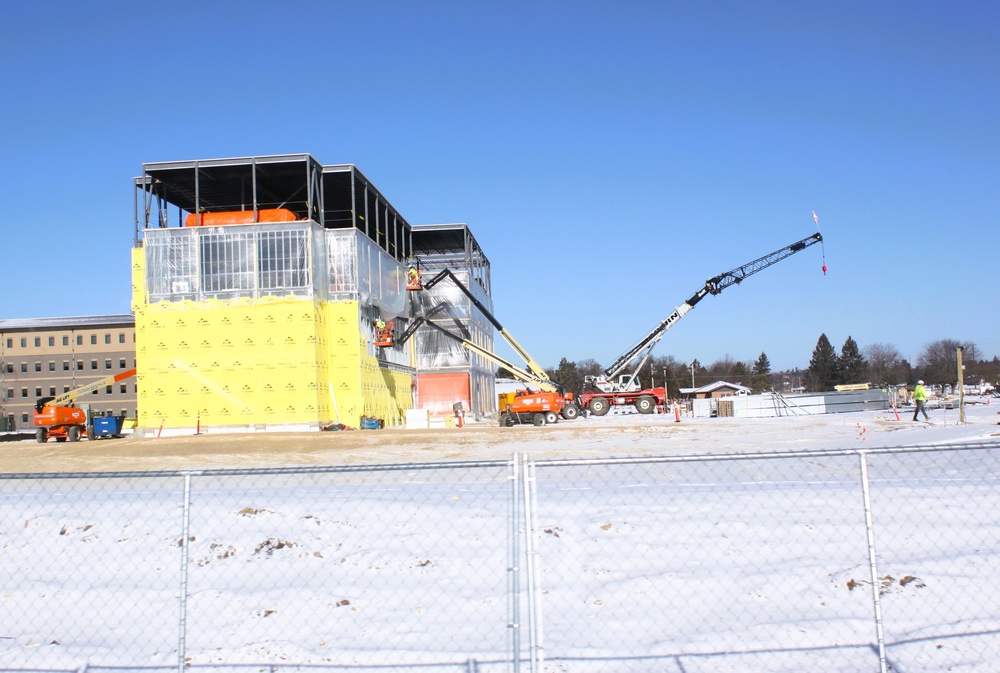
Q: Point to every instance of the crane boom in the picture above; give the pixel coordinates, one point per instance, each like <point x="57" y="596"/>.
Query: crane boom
<point x="713" y="286"/>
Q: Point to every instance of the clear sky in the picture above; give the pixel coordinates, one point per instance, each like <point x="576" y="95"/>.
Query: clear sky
<point x="609" y="156"/>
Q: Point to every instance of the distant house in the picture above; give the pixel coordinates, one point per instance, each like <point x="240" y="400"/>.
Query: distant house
<point x="716" y="390"/>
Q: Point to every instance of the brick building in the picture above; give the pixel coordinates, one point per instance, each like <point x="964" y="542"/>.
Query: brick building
<point x="45" y="357"/>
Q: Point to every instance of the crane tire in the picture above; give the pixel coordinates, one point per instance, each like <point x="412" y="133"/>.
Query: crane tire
<point x="506" y="421"/>
<point x="551" y="417"/>
<point x="599" y="406"/>
<point x="91" y="435"/>
<point x="538" y="420"/>
<point x="41" y="435"/>
<point x="73" y="434"/>
<point x="645" y="404"/>
<point x="570" y="411"/>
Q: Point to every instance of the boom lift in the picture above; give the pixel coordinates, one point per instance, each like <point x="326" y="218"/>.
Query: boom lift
<point x="537" y="371"/>
<point x="56" y="417"/>
<point x="539" y="407"/>
<point x="619" y="383"/>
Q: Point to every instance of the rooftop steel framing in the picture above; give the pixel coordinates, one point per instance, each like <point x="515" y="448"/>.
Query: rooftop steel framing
<point x="334" y="196"/>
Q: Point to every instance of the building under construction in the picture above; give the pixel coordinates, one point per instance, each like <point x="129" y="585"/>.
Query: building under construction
<point x="257" y="283"/>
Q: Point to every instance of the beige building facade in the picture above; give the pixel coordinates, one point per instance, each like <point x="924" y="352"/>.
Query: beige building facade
<point x="46" y="357"/>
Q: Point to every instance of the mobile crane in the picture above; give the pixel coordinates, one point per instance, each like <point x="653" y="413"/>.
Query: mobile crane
<point x="56" y="417"/>
<point x="619" y="382"/>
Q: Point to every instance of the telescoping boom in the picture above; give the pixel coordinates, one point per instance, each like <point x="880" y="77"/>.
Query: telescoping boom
<point x="643" y="348"/>
<point x="538" y="372"/>
<point x="520" y="374"/>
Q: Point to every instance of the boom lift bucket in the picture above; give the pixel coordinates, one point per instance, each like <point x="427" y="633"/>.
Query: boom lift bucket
<point x="413" y="283"/>
<point x="383" y="336"/>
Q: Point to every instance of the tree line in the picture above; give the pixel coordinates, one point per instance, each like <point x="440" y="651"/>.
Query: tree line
<point x="879" y="364"/>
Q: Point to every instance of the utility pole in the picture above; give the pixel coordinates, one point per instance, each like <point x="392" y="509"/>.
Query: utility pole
<point x="692" y="372"/>
<point x="961" y="386"/>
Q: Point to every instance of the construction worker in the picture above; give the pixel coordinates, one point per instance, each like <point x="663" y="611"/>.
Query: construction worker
<point x="919" y="398"/>
<point x="380" y="325"/>
<point x="412" y="276"/>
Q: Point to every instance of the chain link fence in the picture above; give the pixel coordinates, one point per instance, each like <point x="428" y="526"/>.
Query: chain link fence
<point x="878" y="560"/>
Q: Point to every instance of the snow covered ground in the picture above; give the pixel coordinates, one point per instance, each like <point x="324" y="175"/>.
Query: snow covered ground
<point x="747" y="559"/>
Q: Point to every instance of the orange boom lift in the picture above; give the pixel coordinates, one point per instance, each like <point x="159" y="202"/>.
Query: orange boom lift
<point x="57" y="417"/>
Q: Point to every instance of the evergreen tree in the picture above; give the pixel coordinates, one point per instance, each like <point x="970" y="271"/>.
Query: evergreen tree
<point x="741" y="373"/>
<point x="851" y="365"/>
<point x="568" y="376"/>
<point x="761" y="379"/>
<point x="503" y="373"/>
<point x="822" y="372"/>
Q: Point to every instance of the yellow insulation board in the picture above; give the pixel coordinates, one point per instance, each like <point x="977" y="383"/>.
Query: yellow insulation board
<point x="252" y="362"/>
<point x="230" y="363"/>
<point x="360" y="386"/>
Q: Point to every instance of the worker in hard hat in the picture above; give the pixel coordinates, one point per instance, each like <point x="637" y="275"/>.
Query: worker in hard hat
<point x="412" y="276"/>
<point x="919" y="399"/>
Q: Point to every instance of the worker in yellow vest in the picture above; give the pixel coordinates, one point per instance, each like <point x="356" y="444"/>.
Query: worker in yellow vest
<point x="919" y="398"/>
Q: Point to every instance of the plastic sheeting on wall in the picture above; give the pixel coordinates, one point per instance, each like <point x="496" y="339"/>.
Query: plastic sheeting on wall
<point x="260" y="260"/>
<point x="449" y="307"/>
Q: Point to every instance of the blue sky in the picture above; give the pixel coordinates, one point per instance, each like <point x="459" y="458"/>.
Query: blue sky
<point x="609" y="157"/>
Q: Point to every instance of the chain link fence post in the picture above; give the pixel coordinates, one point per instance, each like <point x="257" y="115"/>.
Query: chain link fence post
<point x="872" y="559"/>
<point x="531" y="565"/>
<point x="513" y="561"/>
<point x="182" y="598"/>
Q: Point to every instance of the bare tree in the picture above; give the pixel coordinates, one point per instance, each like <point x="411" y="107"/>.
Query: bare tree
<point x="937" y="362"/>
<point x="885" y="363"/>
<point x="728" y="368"/>
<point x="589" y="367"/>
